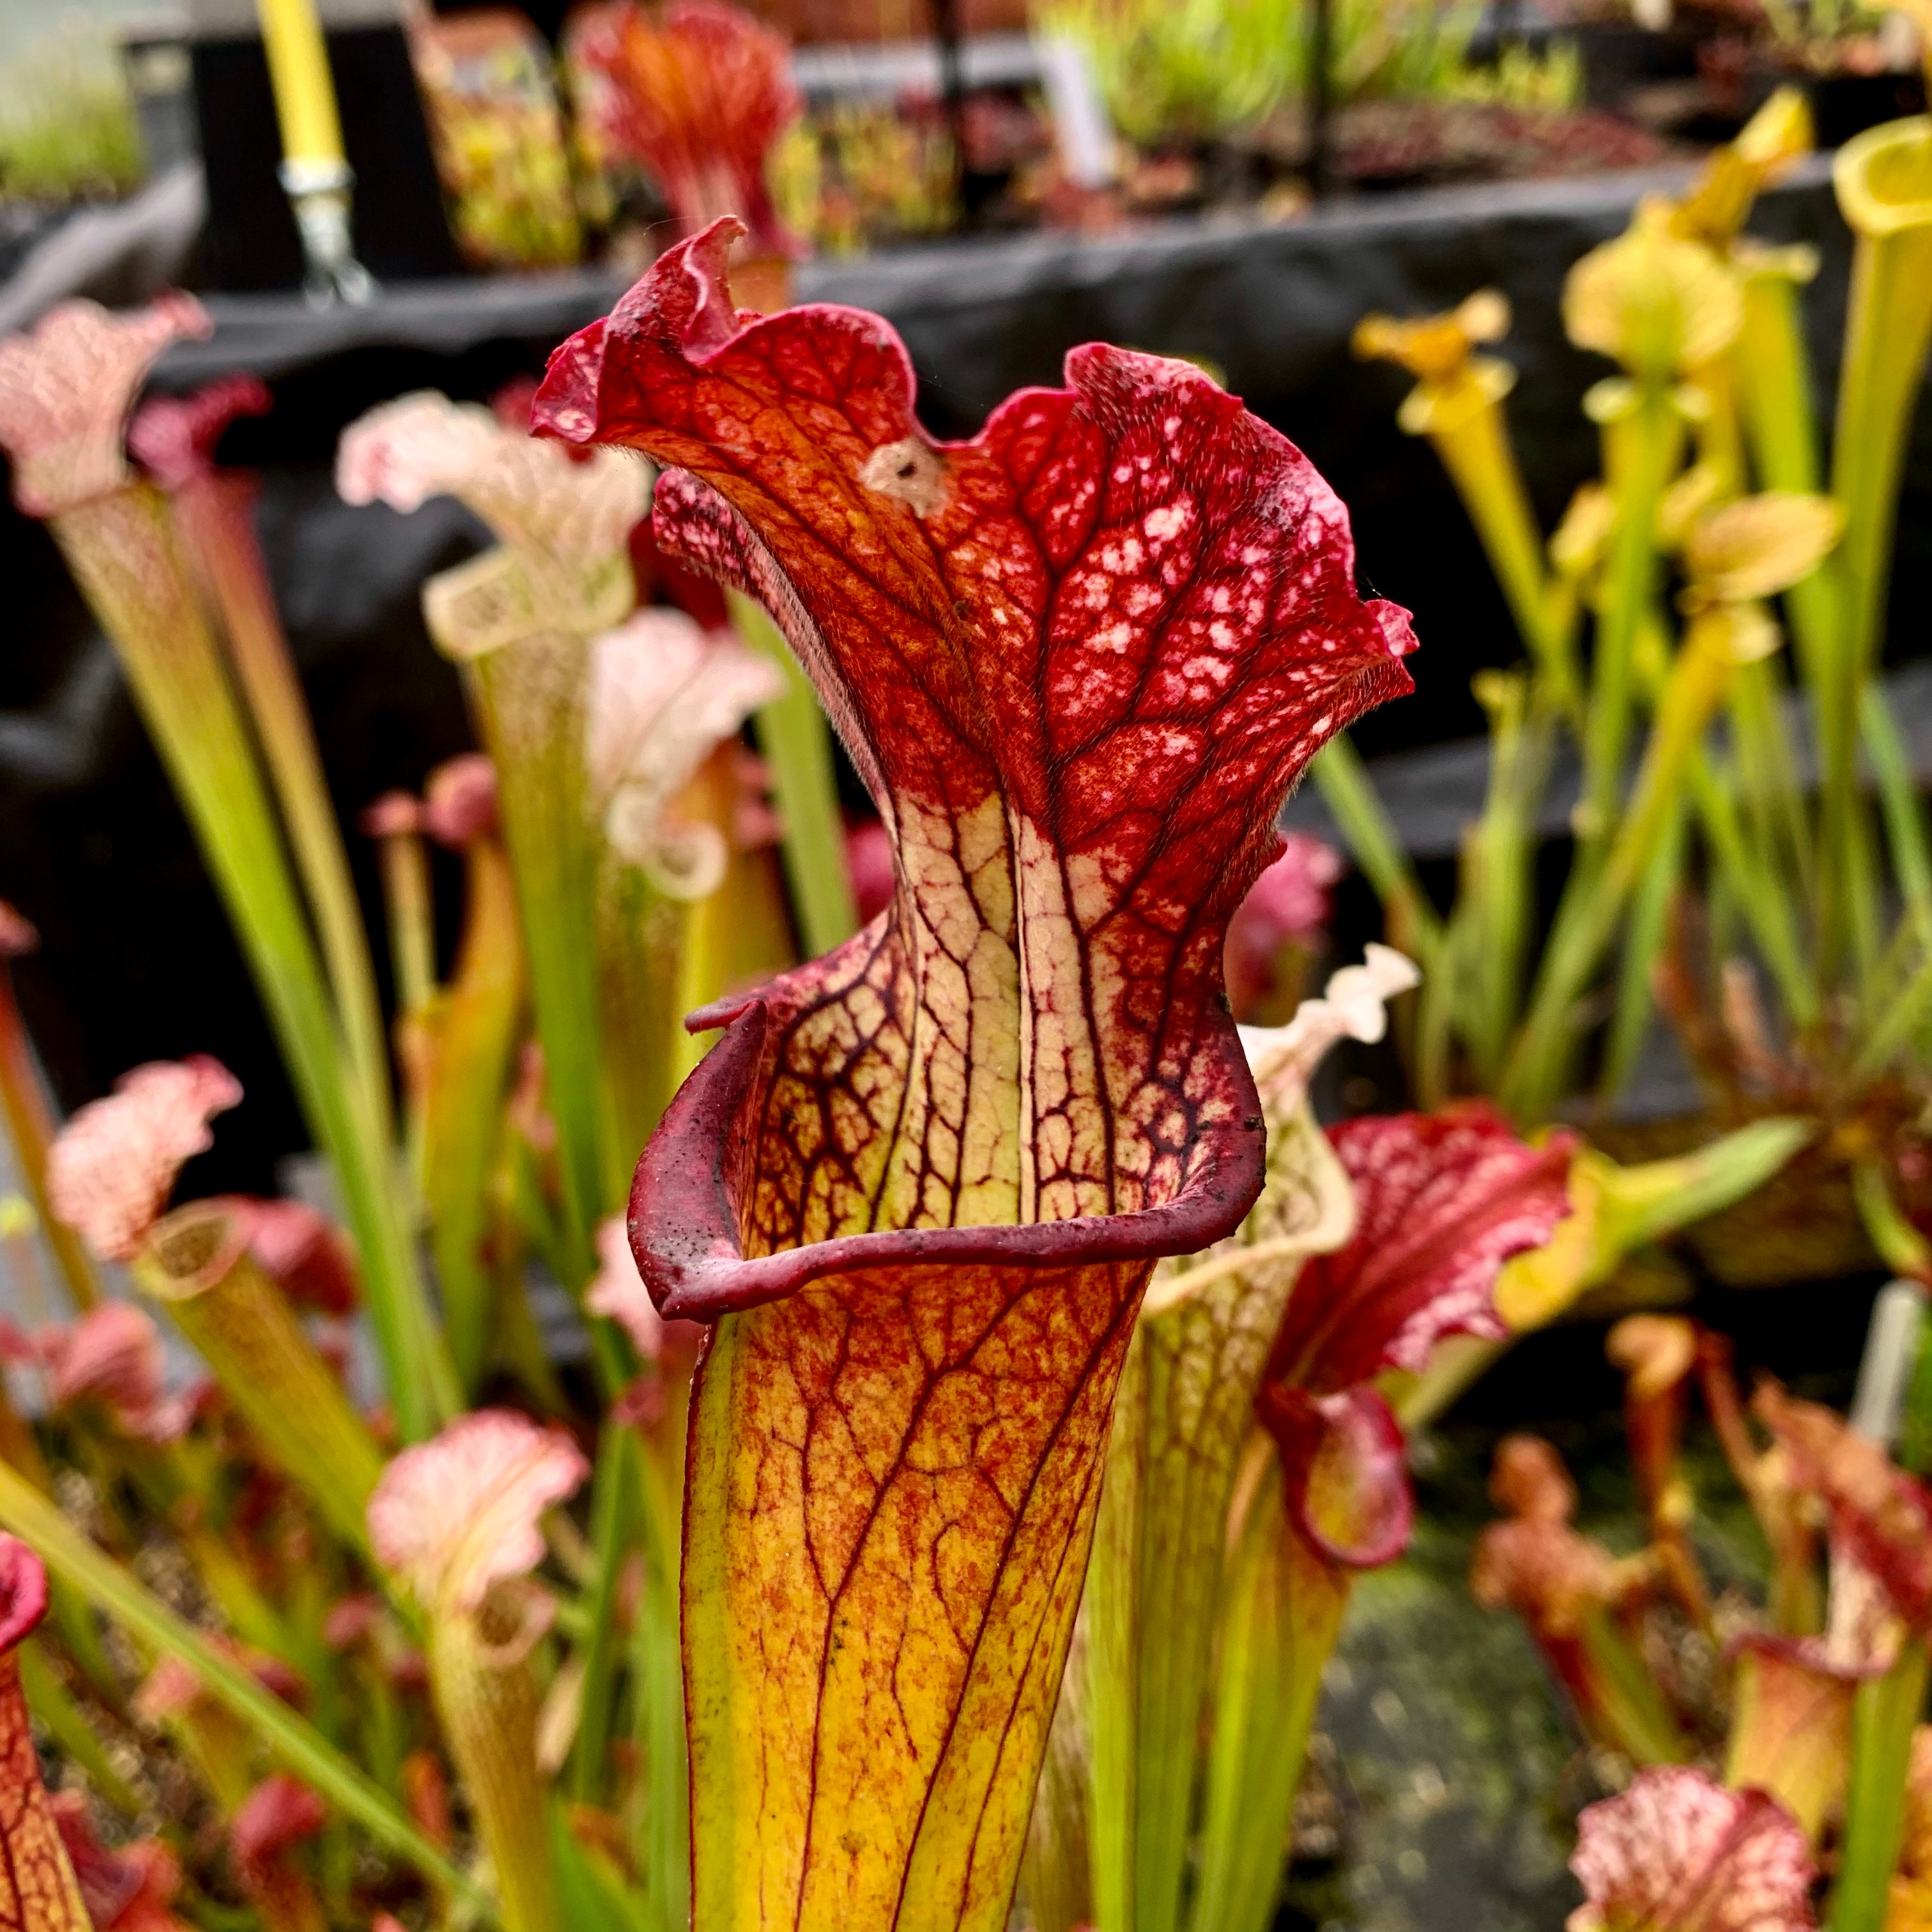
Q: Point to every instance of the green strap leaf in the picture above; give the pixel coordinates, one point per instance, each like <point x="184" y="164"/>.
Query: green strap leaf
<point x="297" y="1744"/>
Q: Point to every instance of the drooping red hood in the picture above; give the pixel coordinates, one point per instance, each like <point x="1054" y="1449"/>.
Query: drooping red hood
<point x="1077" y="661"/>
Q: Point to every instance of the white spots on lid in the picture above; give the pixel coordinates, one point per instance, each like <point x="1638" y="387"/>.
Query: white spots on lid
<point x="1206" y="676"/>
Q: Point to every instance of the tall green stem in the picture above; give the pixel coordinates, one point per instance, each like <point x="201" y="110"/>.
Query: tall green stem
<point x="1180" y="1427"/>
<point x="1644" y="448"/>
<point x="1474" y="448"/>
<point x="1770" y="782"/>
<point x="30" y="1126"/>
<point x="1349" y="793"/>
<point x="1885" y="1711"/>
<point x="1113" y="1605"/>
<point x="796" y="741"/>
<point x="473" y="1026"/>
<point x="1899" y="806"/>
<point x="663" y="1838"/>
<point x="1773" y="390"/>
<point x="1056" y="1876"/>
<point x="296" y="1745"/>
<point x="1502" y="858"/>
<point x="1643" y="939"/>
<point x="407" y="900"/>
<point x="530" y="696"/>
<point x="121" y="552"/>
<point x="1758" y="889"/>
<point x="641" y="936"/>
<point x="614" y="1511"/>
<point x="212" y="510"/>
<point x="1285" y="1606"/>
<point x="1587" y="920"/>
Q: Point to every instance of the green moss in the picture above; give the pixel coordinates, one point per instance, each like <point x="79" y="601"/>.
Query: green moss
<point x="68" y="129"/>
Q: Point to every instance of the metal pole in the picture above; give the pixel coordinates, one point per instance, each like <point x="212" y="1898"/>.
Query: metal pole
<point x="952" y="93"/>
<point x="1320" y="34"/>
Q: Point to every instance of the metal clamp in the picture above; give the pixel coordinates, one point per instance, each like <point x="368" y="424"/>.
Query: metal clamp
<point x="319" y="192"/>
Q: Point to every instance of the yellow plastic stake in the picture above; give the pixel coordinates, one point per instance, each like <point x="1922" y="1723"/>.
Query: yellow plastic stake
<point x="304" y="88"/>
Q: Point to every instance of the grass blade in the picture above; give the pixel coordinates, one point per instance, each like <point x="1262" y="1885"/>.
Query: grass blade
<point x="299" y="1747"/>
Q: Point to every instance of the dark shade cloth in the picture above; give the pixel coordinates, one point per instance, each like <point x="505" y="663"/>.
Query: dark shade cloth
<point x="138" y="961"/>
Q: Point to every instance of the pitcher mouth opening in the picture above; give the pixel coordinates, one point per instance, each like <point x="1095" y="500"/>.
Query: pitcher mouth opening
<point x="683" y="1223"/>
<point x="1883" y="177"/>
<point x="189" y="1251"/>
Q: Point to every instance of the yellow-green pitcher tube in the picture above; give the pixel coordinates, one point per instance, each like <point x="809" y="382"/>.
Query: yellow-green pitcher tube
<point x="288" y="1739"/>
<point x="522" y="636"/>
<point x="1773" y="379"/>
<point x="1885" y="1712"/>
<point x="1113" y="1650"/>
<point x="1346" y="789"/>
<point x="488" y="1704"/>
<point x="660" y="1836"/>
<point x="530" y="698"/>
<point x="121" y="550"/>
<point x="1284" y="1612"/>
<point x="1499" y="858"/>
<point x="1457" y="404"/>
<point x="1884" y="183"/>
<point x="212" y="513"/>
<point x="1642" y="426"/>
<point x="1772" y="373"/>
<point x="474" y="1023"/>
<point x="639" y="935"/>
<point x="410" y="907"/>
<point x="1470" y="436"/>
<point x="197" y="1262"/>
<point x="1201" y="1362"/>
<point x="30" y="1126"/>
<point x="1056" y="1877"/>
